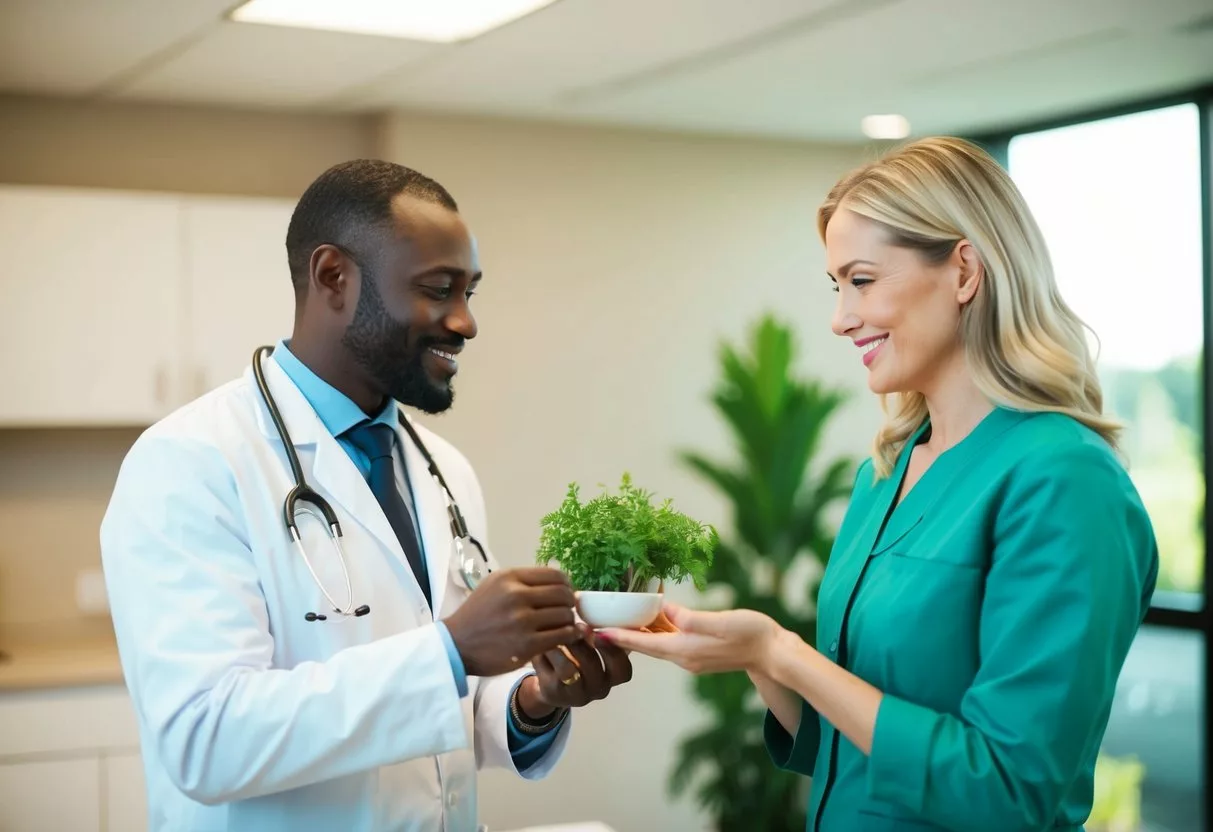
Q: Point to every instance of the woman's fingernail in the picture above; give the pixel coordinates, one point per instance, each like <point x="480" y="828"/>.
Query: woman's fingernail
<point x="602" y="636"/>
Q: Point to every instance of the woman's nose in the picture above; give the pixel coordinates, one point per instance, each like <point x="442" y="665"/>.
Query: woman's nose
<point x="843" y="320"/>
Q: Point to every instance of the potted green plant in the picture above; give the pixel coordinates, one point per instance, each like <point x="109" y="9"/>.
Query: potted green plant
<point x="781" y="492"/>
<point x="1117" y="803"/>
<point x="621" y="549"/>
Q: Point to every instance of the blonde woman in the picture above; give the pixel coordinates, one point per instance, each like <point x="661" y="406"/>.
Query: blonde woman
<point x="995" y="561"/>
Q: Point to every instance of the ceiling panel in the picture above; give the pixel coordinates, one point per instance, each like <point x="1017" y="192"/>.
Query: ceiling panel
<point x="806" y="69"/>
<point x="898" y="58"/>
<point x="1098" y="75"/>
<point x="581" y="42"/>
<point x="273" y="66"/>
<point x="73" y="47"/>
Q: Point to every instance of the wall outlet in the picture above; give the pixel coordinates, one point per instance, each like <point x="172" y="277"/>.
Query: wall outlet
<point x="91" y="597"/>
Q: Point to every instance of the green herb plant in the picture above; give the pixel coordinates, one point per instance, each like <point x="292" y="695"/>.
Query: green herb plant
<point x="623" y="542"/>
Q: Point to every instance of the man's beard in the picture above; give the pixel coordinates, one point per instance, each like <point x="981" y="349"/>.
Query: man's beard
<point x="381" y="346"/>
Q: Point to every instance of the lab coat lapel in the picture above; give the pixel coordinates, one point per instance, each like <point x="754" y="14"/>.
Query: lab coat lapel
<point x="432" y="518"/>
<point x="332" y="473"/>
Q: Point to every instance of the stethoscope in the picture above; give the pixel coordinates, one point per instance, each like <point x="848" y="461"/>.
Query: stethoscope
<point x="473" y="566"/>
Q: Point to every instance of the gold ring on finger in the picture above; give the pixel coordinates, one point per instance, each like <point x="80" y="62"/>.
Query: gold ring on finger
<point x="572" y="680"/>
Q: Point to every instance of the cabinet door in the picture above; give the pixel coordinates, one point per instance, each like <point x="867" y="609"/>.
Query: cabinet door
<point x="51" y="796"/>
<point x="91" y="307"/>
<point x="239" y="284"/>
<point x="125" y="793"/>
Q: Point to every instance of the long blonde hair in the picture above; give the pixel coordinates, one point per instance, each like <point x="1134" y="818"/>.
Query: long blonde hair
<point x="1024" y="345"/>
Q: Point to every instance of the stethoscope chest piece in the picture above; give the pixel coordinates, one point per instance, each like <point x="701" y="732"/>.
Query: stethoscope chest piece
<point x="473" y="564"/>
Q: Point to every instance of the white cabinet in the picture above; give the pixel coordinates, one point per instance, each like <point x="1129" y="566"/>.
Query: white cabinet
<point x="91" y="306"/>
<point x="239" y="285"/>
<point x="124" y="801"/>
<point x="119" y="307"/>
<point x="69" y="760"/>
<point x="50" y="796"/>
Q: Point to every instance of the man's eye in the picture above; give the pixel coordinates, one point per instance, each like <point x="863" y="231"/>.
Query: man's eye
<point x="439" y="292"/>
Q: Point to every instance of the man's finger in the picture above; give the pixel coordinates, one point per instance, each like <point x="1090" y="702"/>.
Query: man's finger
<point x="549" y="595"/>
<point x="551" y="639"/>
<point x="587" y="660"/>
<point x="549" y="618"/>
<point x="542" y="666"/>
<point x="562" y="668"/>
<point x="540" y="576"/>
<point x="618" y="665"/>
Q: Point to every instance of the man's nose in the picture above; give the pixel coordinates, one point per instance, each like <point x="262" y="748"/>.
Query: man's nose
<point x="462" y="322"/>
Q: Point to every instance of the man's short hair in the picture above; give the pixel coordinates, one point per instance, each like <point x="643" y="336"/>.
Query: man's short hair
<point x="347" y="201"/>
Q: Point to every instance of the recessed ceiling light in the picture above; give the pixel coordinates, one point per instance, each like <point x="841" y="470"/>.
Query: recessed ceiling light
<point x="442" y="21"/>
<point x="885" y="127"/>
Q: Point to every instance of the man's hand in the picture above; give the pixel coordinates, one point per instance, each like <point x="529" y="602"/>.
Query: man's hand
<point x="513" y="615"/>
<point x="584" y="673"/>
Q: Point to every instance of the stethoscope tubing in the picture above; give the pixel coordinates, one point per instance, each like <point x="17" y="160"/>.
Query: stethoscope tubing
<point x="302" y="493"/>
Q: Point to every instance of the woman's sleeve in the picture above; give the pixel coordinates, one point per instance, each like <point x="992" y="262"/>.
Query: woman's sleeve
<point x="798" y="753"/>
<point x="1073" y="567"/>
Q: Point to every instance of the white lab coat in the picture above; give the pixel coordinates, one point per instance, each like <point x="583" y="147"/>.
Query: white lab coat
<point x="251" y="717"/>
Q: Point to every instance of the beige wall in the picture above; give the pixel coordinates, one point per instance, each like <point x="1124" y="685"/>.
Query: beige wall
<point x="614" y="262"/>
<point x="54" y="483"/>
<point x="167" y="148"/>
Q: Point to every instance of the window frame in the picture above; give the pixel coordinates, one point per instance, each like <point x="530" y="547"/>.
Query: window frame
<point x="1170" y="610"/>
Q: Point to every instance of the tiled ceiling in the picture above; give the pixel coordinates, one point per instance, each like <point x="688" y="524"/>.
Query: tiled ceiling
<point x="806" y="69"/>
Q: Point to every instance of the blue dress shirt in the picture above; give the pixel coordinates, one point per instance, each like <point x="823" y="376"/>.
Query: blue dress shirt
<point x="338" y="413"/>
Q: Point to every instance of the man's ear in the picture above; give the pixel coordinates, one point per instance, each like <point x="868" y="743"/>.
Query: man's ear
<point x="972" y="272"/>
<point x="332" y="276"/>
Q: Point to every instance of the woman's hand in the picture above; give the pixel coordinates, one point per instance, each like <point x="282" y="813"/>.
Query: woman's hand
<point x="705" y="642"/>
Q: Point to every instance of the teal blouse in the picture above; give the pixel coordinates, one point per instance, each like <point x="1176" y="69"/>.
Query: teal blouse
<point x="993" y="607"/>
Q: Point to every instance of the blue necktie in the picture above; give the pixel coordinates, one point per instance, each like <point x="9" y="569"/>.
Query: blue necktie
<point x="375" y="439"/>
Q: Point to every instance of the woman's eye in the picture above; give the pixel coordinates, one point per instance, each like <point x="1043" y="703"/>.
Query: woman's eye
<point x="860" y="281"/>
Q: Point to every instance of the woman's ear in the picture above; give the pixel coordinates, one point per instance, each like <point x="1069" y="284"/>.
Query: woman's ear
<point x="972" y="272"/>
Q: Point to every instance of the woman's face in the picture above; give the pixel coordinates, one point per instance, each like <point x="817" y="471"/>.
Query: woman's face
<point x="902" y="312"/>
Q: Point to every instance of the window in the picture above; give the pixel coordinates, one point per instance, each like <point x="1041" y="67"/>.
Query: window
<point x="1123" y="202"/>
<point x="1151" y="755"/>
<point x="1118" y="201"/>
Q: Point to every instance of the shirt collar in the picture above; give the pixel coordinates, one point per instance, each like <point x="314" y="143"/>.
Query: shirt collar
<point x="336" y="410"/>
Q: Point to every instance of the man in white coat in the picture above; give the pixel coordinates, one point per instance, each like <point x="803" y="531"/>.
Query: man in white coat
<point x="285" y="684"/>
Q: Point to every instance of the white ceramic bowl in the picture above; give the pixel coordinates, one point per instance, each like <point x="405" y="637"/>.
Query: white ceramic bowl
<point x="619" y="609"/>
